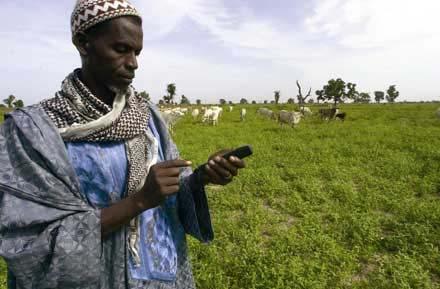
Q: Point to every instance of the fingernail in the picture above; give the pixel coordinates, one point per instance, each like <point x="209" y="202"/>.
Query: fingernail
<point x="207" y="167"/>
<point x="211" y="162"/>
<point x="189" y="163"/>
<point x="217" y="158"/>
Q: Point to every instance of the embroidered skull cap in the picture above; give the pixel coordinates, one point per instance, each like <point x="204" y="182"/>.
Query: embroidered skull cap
<point x="88" y="13"/>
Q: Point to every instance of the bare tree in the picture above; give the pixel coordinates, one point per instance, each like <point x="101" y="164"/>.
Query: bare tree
<point x="302" y="99"/>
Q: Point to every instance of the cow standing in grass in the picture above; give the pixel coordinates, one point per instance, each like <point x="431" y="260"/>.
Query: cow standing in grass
<point x="327" y="113"/>
<point x="306" y="111"/>
<point x="243" y="114"/>
<point x="267" y="113"/>
<point x="291" y="118"/>
<point x="195" y="114"/>
<point x="340" y="115"/>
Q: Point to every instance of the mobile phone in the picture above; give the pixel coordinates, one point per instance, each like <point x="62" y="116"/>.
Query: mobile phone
<point x="241" y="152"/>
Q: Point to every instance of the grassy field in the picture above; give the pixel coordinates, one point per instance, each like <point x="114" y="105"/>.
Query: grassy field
<point x="352" y="204"/>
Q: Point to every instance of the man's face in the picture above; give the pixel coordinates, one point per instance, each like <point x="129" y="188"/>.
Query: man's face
<point x="113" y="52"/>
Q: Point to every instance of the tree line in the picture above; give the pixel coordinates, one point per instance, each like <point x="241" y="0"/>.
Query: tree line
<point x="12" y="102"/>
<point x="335" y="91"/>
<point x="338" y="91"/>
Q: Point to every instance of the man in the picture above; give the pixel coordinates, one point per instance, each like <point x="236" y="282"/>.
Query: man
<point x="92" y="191"/>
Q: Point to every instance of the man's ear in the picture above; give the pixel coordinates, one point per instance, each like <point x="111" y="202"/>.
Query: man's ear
<point x="82" y="42"/>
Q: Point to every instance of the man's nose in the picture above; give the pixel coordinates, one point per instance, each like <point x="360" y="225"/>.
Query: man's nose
<point x="131" y="62"/>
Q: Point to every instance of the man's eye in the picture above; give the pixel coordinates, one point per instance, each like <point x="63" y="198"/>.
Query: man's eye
<point x="121" y="48"/>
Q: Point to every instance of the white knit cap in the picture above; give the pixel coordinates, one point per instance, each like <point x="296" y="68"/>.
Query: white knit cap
<point x="88" y="13"/>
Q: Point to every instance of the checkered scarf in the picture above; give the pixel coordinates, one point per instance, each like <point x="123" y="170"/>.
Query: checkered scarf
<point x="80" y="116"/>
<point x="75" y="107"/>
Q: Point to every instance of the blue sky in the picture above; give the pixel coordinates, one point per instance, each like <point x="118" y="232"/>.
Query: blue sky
<point x="231" y="49"/>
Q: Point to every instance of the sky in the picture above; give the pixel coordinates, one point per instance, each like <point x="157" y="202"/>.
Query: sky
<point x="230" y="49"/>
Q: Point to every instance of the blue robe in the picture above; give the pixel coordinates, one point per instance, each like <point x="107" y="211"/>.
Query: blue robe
<point x="50" y="214"/>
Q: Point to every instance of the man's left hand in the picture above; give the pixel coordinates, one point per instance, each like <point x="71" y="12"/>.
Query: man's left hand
<point x="221" y="171"/>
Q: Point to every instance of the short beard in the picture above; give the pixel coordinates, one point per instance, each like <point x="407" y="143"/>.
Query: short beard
<point x="117" y="90"/>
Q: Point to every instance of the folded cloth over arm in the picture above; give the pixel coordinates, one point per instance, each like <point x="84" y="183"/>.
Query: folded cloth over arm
<point x="50" y="236"/>
<point x="192" y="203"/>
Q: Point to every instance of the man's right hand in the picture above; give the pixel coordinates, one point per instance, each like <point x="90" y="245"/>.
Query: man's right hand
<point x="162" y="181"/>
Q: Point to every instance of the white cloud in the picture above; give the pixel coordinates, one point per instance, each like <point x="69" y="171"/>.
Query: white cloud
<point x="161" y="17"/>
<point x="375" y="23"/>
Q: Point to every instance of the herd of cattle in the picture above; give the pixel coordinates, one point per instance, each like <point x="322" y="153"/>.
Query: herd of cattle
<point x="212" y="114"/>
<point x="293" y="118"/>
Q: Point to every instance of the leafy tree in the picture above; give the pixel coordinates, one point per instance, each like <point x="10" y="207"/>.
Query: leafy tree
<point x="379" y="96"/>
<point x="10" y="101"/>
<point x="392" y="94"/>
<point x="198" y="102"/>
<point x="254" y="102"/>
<point x="184" y="100"/>
<point x="363" y="97"/>
<point x="18" y="103"/>
<point x="277" y="95"/>
<point x="243" y="101"/>
<point x="311" y="101"/>
<point x="351" y="91"/>
<point x="222" y="101"/>
<point x="290" y="101"/>
<point x="145" y="95"/>
<point x="320" y="95"/>
<point x="265" y="102"/>
<point x="335" y="91"/>
<point x="161" y="102"/>
<point x="171" y="89"/>
<point x="230" y="102"/>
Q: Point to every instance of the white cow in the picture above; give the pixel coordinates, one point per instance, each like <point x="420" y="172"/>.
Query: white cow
<point x="265" y="112"/>
<point x="214" y="116"/>
<point x="306" y="111"/>
<point x="207" y="115"/>
<point x="291" y="118"/>
<point x="243" y="114"/>
<point x="217" y="108"/>
<point x="170" y="117"/>
<point x="231" y="108"/>
<point x="262" y="111"/>
<point x="195" y="113"/>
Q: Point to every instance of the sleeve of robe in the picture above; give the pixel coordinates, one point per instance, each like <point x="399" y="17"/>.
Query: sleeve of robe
<point x="50" y="237"/>
<point x="193" y="207"/>
<point x="192" y="203"/>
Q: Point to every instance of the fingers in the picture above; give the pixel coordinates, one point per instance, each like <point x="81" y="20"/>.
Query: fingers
<point x="174" y="164"/>
<point x="237" y="162"/>
<point x="169" y="190"/>
<point x="219" y="169"/>
<point x="169" y="172"/>
<point x="169" y="168"/>
<point x="222" y="167"/>
<point x="214" y="177"/>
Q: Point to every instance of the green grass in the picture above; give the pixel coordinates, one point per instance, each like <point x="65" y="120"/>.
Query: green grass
<point x="352" y="204"/>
